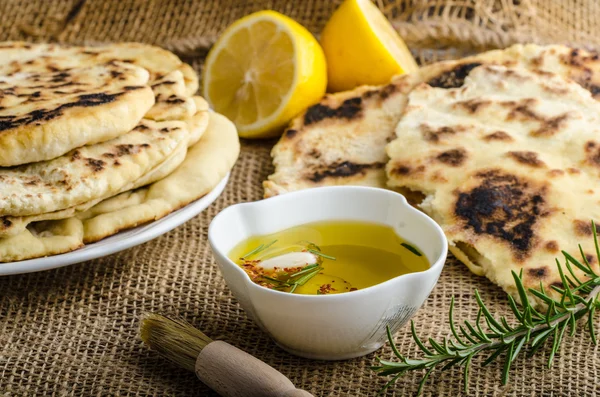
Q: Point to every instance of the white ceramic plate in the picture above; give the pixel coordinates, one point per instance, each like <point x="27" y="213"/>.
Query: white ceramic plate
<point x="120" y="241"/>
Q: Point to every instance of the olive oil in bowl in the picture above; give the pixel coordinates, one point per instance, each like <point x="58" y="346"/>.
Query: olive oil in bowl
<point x="328" y="257"/>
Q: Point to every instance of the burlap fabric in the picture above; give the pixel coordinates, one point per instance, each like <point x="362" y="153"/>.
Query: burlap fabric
<point x="73" y="331"/>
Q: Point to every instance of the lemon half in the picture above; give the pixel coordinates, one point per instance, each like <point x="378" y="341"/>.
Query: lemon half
<point x="362" y="47"/>
<point x="264" y="70"/>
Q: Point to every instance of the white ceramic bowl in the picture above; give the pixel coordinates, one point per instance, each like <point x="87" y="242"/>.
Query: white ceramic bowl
<point x="340" y="326"/>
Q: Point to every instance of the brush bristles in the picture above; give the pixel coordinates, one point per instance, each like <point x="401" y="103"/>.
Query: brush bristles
<point x="174" y="339"/>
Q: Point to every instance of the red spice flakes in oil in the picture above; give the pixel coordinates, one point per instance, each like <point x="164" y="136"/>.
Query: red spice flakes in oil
<point x="326" y="288"/>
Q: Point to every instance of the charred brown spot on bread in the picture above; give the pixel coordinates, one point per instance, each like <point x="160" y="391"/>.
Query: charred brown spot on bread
<point x="584" y="228"/>
<point x="590" y="258"/>
<point x="452" y="157"/>
<point x="126" y="150"/>
<point x="349" y="109"/>
<point x="174" y="100"/>
<point x="290" y="133"/>
<point x="432" y="134"/>
<point x="557" y="284"/>
<point x="592" y="150"/>
<point x="537" y="273"/>
<point x="579" y="58"/>
<point x="141" y="127"/>
<point x="523" y="111"/>
<point x="88" y="100"/>
<point x="403" y="169"/>
<point x="343" y="169"/>
<point x="551" y="126"/>
<point x="454" y="77"/>
<point x="555" y="173"/>
<point x="551" y="246"/>
<point x="498" y="136"/>
<point x="505" y="207"/>
<point x="472" y="105"/>
<point x="314" y="153"/>
<point x="593" y="88"/>
<point x="439" y="177"/>
<point x="387" y="90"/>
<point x="163" y="83"/>
<point x="96" y="165"/>
<point x="6" y="223"/>
<point x="76" y="155"/>
<point x="527" y="158"/>
<point x="382" y="93"/>
<point x="573" y="171"/>
<point x="60" y="77"/>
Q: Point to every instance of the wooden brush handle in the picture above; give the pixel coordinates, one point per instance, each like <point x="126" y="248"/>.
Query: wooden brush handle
<point x="232" y="372"/>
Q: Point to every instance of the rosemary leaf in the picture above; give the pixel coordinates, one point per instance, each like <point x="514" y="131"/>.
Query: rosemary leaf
<point x="304" y="270"/>
<point x="254" y="251"/>
<point x="258" y="249"/>
<point x="451" y="321"/>
<point x="302" y="280"/>
<point x="466" y="374"/>
<point x="416" y="338"/>
<point x="411" y="249"/>
<point x="275" y="280"/>
<point x="494" y="355"/>
<point x="391" y="340"/>
<point x="319" y="253"/>
<point x="507" y="363"/>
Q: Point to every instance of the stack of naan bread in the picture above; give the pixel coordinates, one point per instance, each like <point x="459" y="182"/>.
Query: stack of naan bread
<point x="502" y="149"/>
<point x="95" y="140"/>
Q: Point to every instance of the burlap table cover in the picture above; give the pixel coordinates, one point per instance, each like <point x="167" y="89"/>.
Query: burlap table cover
<point x="73" y="331"/>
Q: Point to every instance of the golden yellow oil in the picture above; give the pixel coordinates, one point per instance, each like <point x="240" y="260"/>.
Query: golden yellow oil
<point x="365" y="254"/>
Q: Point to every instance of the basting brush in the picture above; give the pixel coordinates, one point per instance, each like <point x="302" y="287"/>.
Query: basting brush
<point x="224" y="368"/>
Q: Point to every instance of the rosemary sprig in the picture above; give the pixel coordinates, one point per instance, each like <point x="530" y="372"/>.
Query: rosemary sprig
<point x="258" y="249"/>
<point x="411" y="249"/>
<point x="534" y="329"/>
<point x="319" y="253"/>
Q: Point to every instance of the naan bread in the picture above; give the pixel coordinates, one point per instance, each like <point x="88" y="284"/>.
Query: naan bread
<point x="509" y="163"/>
<point x="43" y="239"/>
<point x="342" y="139"/>
<point x="11" y="225"/>
<point x="205" y="166"/>
<point x="339" y="141"/>
<point x="44" y="115"/>
<point x="89" y="172"/>
<point x="16" y="57"/>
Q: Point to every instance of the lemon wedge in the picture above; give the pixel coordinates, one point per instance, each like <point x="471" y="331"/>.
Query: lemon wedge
<point x="362" y="47"/>
<point x="263" y="70"/>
